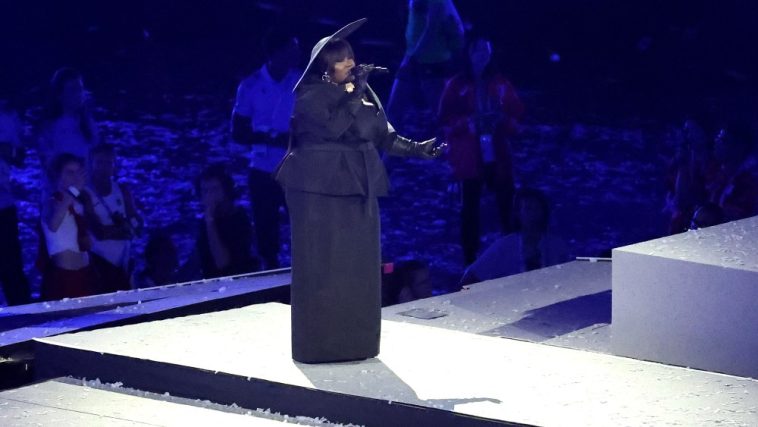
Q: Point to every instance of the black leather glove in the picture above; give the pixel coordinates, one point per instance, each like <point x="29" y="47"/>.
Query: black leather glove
<point x="425" y="149"/>
<point x="360" y="79"/>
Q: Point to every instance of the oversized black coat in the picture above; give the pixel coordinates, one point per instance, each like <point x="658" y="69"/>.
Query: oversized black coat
<point x="332" y="176"/>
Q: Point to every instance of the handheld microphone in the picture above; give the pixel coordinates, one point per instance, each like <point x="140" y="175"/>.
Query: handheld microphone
<point x="369" y="68"/>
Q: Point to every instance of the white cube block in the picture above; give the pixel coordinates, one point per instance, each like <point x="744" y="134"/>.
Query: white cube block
<point x="690" y="299"/>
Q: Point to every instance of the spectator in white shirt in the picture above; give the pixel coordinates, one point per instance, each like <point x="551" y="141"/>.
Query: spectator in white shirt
<point x="261" y="119"/>
<point x="67" y="125"/>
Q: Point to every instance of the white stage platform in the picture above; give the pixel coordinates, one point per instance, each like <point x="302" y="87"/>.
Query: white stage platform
<point x="568" y="305"/>
<point x="424" y="375"/>
<point x="67" y="402"/>
<point x="690" y="299"/>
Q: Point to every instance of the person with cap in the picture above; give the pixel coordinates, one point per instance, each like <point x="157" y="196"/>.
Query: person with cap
<point x="332" y="175"/>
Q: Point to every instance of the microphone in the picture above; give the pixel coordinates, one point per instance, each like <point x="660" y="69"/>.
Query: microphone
<point x="368" y="68"/>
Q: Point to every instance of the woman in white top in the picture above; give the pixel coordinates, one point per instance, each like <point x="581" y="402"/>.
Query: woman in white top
<point x="67" y="126"/>
<point x="67" y="272"/>
<point x="113" y="221"/>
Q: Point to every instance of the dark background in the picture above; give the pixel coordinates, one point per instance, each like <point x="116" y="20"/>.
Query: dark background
<point x="646" y="57"/>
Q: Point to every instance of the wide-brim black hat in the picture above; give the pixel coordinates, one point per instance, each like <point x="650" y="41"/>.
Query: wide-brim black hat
<point x="340" y="34"/>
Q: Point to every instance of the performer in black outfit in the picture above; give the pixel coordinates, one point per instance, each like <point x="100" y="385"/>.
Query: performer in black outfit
<point x="332" y="176"/>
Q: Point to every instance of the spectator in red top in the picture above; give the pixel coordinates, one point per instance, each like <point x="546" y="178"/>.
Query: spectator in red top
<point x="479" y="113"/>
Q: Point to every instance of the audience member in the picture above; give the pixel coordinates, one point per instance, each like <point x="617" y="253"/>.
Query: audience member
<point x="689" y="172"/>
<point x="261" y="118"/>
<point x="161" y="262"/>
<point x="735" y="187"/>
<point x="408" y="282"/>
<point x="479" y="113"/>
<point x="113" y="221"/>
<point x="14" y="283"/>
<point x="225" y="236"/>
<point x="66" y="270"/>
<point x="67" y="126"/>
<point x="531" y="246"/>
<point x="434" y="43"/>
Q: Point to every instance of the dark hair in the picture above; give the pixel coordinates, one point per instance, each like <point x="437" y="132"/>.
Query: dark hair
<point x="276" y="39"/>
<point x="103" y="148"/>
<point x="59" y="162"/>
<point x="473" y="39"/>
<point x="522" y="195"/>
<point x="334" y="52"/>
<point x="53" y="108"/>
<point x="217" y="172"/>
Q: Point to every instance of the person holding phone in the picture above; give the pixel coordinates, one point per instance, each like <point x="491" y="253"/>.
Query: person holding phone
<point x="66" y="272"/>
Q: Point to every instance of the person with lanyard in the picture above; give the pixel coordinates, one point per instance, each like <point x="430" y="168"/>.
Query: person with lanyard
<point x="261" y="118"/>
<point x="479" y="114"/>
<point x="113" y="220"/>
<point x="332" y="177"/>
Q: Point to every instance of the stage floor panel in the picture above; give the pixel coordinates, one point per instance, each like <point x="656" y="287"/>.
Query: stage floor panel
<point x="568" y="305"/>
<point x="488" y="377"/>
<point x="65" y="403"/>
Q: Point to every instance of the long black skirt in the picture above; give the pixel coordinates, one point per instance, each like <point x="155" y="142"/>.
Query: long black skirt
<point x="336" y="277"/>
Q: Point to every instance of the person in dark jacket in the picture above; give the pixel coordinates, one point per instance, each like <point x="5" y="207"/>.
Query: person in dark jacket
<point x="226" y="235"/>
<point x="332" y="176"/>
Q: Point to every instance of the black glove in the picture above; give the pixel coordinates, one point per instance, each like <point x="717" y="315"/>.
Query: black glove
<point x="360" y="79"/>
<point x="425" y="149"/>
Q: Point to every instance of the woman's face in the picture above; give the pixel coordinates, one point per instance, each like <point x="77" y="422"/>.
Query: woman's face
<point x="72" y="175"/>
<point x="342" y="70"/>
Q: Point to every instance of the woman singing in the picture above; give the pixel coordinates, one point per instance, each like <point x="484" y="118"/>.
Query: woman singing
<point x="332" y="176"/>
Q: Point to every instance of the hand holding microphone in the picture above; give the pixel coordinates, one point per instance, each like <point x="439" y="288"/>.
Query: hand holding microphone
<point x="361" y="73"/>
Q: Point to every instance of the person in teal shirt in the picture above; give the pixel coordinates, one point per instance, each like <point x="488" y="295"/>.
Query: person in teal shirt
<point x="434" y="44"/>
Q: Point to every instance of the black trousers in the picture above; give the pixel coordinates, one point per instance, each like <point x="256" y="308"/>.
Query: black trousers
<point x="267" y="196"/>
<point x="471" y="190"/>
<point x="14" y="282"/>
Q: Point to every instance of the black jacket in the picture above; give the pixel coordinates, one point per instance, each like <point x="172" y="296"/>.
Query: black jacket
<point x="335" y="137"/>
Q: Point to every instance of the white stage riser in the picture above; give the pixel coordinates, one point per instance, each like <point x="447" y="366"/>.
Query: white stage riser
<point x="689" y="300"/>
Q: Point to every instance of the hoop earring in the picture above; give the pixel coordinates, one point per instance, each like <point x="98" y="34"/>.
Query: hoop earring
<point x="326" y="77"/>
